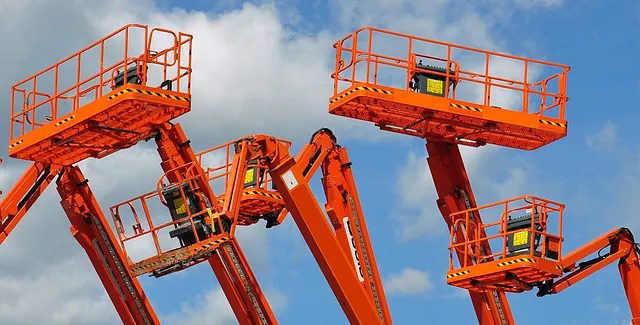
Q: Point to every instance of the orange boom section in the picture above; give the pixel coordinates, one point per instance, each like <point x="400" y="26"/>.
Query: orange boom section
<point x="259" y="198"/>
<point x="104" y="98"/>
<point x="527" y="254"/>
<point x="527" y="237"/>
<point x="442" y="91"/>
<point x="193" y="228"/>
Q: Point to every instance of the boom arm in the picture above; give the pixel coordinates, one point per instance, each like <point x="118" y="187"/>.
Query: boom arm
<point x="228" y="263"/>
<point x="454" y="195"/>
<point x="24" y="194"/>
<point x="92" y="231"/>
<point x="357" y="287"/>
<point x="88" y="226"/>
<point x="623" y="249"/>
<point x="345" y="212"/>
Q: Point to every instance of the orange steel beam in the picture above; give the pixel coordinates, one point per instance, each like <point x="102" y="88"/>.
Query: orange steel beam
<point x="23" y="195"/>
<point x="228" y="263"/>
<point x="345" y="211"/>
<point x="228" y="285"/>
<point x="362" y="300"/>
<point x="623" y="248"/>
<point x="246" y="284"/>
<point x="93" y="233"/>
<point x="455" y="194"/>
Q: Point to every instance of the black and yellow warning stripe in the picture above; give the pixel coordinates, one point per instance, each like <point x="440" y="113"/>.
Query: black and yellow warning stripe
<point x="467" y="107"/>
<point x="359" y="88"/>
<point x="547" y="122"/>
<point x="262" y="193"/>
<point x="147" y="92"/>
<point x="168" y="260"/>
<point x="153" y="264"/>
<point x="457" y="274"/>
<point x="517" y="260"/>
<point x="214" y="242"/>
<point x="64" y="120"/>
<point x="17" y="143"/>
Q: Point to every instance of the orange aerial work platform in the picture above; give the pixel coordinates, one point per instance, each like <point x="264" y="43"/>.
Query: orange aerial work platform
<point x="259" y="200"/>
<point x="451" y="95"/>
<point x="104" y="98"/>
<point x="527" y="241"/>
<point x="432" y="89"/>
<point x="193" y="221"/>
<point x="525" y="254"/>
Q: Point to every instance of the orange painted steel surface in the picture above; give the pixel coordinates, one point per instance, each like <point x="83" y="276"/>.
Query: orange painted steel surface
<point x="245" y="175"/>
<point x="387" y="87"/>
<point x="623" y="249"/>
<point x="258" y="201"/>
<point x="184" y="255"/>
<point x="340" y="243"/>
<point x="24" y="194"/>
<point x="92" y="231"/>
<point x="259" y="198"/>
<point x="455" y="194"/>
<point x="103" y="98"/>
<point x="179" y="161"/>
<point x="526" y="253"/>
<point x="530" y="254"/>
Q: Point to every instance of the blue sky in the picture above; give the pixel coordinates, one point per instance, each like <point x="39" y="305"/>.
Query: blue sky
<point x="595" y="171"/>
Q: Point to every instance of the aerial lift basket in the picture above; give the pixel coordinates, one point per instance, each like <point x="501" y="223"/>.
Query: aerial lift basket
<point x="193" y="228"/>
<point x="433" y="89"/>
<point x="525" y="252"/>
<point x="104" y="98"/>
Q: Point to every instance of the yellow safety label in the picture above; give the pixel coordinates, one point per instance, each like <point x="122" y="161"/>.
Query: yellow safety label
<point x="212" y="216"/>
<point x="435" y="86"/>
<point x="179" y="206"/>
<point x="248" y="177"/>
<point x="521" y="238"/>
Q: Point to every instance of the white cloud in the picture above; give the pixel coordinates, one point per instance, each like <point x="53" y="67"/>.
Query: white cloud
<point x="65" y="292"/>
<point x="457" y="293"/>
<point x="607" y="307"/>
<point x="614" y="190"/>
<point x="615" y="313"/>
<point x="416" y="213"/>
<point x="408" y="281"/>
<point x="416" y="206"/>
<point x="213" y="308"/>
<point x="494" y="174"/>
<point x="605" y="138"/>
